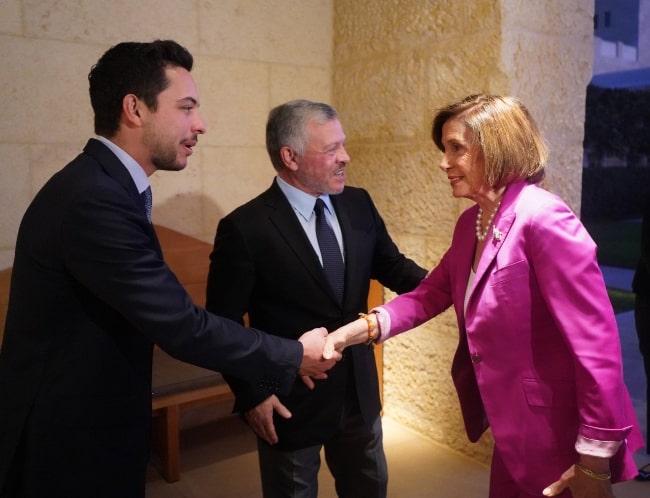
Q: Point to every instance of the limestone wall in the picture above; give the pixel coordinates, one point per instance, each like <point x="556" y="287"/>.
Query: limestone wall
<point x="395" y="62"/>
<point x="249" y="56"/>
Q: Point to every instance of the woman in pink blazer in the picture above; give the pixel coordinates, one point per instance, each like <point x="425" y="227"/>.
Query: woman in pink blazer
<point x="539" y="357"/>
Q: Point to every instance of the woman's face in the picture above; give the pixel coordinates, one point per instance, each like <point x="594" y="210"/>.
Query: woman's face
<point x="463" y="162"/>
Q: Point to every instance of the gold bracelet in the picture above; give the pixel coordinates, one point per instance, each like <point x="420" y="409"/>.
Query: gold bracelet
<point x="371" y="328"/>
<point x="594" y="475"/>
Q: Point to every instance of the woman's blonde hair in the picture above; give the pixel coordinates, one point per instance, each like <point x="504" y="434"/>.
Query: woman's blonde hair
<point x="512" y="146"/>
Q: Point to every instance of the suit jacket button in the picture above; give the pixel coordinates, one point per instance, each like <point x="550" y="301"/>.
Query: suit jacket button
<point x="476" y="358"/>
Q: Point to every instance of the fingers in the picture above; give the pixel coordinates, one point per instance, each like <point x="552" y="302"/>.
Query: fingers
<point x="558" y="486"/>
<point x="554" y="489"/>
<point x="331" y="354"/>
<point x="263" y="431"/>
<point x="316" y="369"/>
<point x="335" y="343"/>
<point x="307" y="381"/>
<point x="330" y="349"/>
<point x="260" y="418"/>
<point x="313" y="363"/>
<point x="281" y="410"/>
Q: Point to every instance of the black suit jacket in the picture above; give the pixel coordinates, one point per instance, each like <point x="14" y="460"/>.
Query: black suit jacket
<point x="641" y="280"/>
<point x="264" y="265"/>
<point x="90" y="295"/>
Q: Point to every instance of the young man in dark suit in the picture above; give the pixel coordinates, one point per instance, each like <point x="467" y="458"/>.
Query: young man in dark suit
<point x="268" y="261"/>
<point x="91" y="294"/>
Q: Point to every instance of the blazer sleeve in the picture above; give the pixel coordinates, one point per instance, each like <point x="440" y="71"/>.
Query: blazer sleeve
<point x="431" y="297"/>
<point x="231" y="275"/>
<point x="110" y="252"/>
<point x="563" y="258"/>
<point x="231" y="278"/>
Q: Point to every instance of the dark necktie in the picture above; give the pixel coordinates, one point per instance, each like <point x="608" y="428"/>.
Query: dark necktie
<point x="147" y="200"/>
<point x="329" y="250"/>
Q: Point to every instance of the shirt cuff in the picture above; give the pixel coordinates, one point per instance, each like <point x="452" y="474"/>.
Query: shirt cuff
<point x="383" y="320"/>
<point x="602" y="449"/>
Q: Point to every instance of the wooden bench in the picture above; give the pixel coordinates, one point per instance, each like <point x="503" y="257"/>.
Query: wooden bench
<point x="177" y="386"/>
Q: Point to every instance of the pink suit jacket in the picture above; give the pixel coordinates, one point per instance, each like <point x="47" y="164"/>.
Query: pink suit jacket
<point x="539" y="358"/>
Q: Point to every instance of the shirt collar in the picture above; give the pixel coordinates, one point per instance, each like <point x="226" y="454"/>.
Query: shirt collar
<point x="135" y="170"/>
<point x="301" y="201"/>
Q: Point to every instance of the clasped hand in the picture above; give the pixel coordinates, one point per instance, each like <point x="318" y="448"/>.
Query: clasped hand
<point x="323" y="350"/>
<point x="314" y="362"/>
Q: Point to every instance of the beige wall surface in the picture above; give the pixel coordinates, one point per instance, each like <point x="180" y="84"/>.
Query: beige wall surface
<point x="385" y="64"/>
<point x="249" y="56"/>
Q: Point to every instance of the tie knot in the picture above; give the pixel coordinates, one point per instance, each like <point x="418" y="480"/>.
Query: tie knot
<point x="319" y="207"/>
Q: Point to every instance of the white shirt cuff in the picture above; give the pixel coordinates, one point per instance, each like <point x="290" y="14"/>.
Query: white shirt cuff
<point x="602" y="449"/>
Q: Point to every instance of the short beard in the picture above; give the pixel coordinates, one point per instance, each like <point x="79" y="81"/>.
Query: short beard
<point x="164" y="157"/>
<point x="167" y="162"/>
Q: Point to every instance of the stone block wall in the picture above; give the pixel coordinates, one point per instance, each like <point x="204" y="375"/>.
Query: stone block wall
<point x="249" y="55"/>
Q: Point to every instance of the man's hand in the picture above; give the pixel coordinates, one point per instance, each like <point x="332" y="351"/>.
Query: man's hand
<point x="260" y="418"/>
<point x="307" y="380"/>
<point x="581" y="485"/>
<point x="313" y="363"/>
<point x="335" y="343"/>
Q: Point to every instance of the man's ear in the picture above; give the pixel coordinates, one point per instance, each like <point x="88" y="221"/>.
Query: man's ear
<point x="289" y="158"/>
<point x="131" y="106"/>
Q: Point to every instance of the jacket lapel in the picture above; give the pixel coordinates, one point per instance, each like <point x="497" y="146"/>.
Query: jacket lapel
<point x="283" y="218"/>
<point x="118" y="172"/>
<point x="501" y="228"/>
<point x="502" y="224"/>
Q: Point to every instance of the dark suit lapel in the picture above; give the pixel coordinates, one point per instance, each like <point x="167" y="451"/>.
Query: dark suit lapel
<point x="283" y="218"/>
<point x="118" y="172"/>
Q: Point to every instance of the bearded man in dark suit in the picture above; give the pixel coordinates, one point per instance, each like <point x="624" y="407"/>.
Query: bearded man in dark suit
<point x="268" y="261"/>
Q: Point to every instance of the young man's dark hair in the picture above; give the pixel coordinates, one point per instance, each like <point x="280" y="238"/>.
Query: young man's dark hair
<point x="131" y="67"/>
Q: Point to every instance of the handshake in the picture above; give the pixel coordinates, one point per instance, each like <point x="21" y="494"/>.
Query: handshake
<point x="321" y="350"/>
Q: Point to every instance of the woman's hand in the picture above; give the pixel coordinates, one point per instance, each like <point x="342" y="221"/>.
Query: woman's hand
<point x="581" y="485"/>
<point x="355" y="332"/>
<point x="335" y="342"/>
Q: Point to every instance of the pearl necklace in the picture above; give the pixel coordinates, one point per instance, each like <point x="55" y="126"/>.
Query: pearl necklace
<point x="481" y="235"/>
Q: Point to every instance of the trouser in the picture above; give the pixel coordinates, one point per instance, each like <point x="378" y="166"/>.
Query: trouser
<point x="355" y="457"/>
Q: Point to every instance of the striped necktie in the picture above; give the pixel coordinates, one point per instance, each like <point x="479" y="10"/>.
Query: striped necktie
<point x="333" y="265"/>
<point x="148" y="202"/>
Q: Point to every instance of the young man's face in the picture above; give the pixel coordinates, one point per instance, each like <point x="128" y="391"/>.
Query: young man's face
<point x="171" y="132"/>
